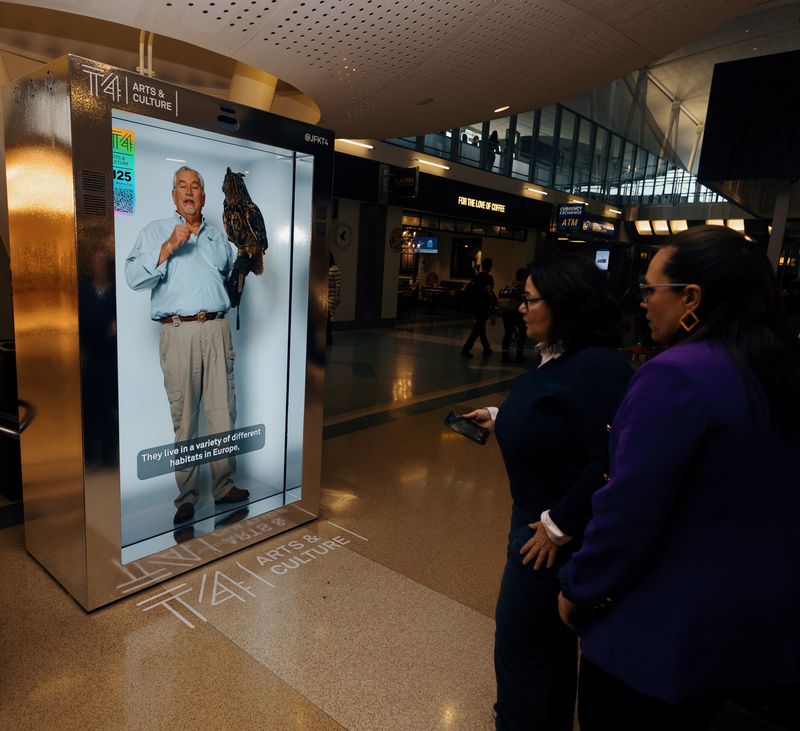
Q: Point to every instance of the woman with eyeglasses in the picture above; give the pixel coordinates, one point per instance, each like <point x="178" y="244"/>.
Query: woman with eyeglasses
<point x="686" y="590"/>
<point x="552" y="432"/>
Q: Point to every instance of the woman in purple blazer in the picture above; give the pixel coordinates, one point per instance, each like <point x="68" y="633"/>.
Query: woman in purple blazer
<point x="686" y="590"/>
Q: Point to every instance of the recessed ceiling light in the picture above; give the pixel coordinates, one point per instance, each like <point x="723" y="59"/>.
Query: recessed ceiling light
<point x="432" y="164"/>
<point x="357" y="144"/>
<point x="502" y="109"/>
<point x="536" y="190"/>
<point x="614" y="210"/>
<point x="173" y="159"/>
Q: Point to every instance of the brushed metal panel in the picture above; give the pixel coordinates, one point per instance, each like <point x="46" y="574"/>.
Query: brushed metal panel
<point x="94" y="236"/>
<point x="43" y="265"/>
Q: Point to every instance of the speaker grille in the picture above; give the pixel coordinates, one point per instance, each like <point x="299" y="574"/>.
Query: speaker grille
<point x="93" y="181"/>
<point x="94" y="205"/>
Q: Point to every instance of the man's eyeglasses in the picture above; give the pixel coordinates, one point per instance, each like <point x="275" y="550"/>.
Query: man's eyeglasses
<point x="646" y="290"/>
<point x="528" y="301"/>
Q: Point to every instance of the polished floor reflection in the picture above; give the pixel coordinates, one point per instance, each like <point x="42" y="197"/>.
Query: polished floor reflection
<point x="379" y="615"/>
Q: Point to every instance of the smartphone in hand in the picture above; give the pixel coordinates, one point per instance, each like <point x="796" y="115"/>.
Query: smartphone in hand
<point x="466" y="427"/>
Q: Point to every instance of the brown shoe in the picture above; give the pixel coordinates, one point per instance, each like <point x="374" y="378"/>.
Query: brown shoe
<point x="184" y="512"/>
<point x="234" y="495"/>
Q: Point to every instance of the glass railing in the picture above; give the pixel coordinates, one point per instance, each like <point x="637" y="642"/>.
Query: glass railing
<point x="556" y="148"/>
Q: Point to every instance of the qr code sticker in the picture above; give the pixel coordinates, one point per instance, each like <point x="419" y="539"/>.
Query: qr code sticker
<point x="124" y="201"/>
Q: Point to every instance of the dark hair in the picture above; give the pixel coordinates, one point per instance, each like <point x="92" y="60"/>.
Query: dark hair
<point x="486" y="264"/>
<point x="741" y="307"/>
<point x="583" y="311"/>
<point x="521" y="274"/>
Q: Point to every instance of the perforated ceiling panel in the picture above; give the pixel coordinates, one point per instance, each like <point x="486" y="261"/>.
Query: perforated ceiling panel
<point x="383" y="68"/>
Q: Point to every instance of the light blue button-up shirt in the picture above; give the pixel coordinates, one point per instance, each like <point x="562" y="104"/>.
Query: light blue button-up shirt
<point x="190" y="280"/>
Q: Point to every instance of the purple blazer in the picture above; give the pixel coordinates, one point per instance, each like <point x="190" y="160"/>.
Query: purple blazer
<point x="695" y="538"/>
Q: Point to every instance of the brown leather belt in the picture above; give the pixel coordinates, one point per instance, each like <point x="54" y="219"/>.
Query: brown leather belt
<point x="201" y="316"/>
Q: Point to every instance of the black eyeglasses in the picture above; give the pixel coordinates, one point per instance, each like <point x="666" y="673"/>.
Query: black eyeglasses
<point x="646" y="290"/>
<point x="528" y="301"/>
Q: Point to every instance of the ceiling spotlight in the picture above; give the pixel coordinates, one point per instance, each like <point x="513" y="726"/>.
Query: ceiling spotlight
<point x="432" y="164"/>
<point x="614" y="210"/>
<point x="357" y="144"/>
<point x="502" y="109"/>
<point x="536" y="190"/>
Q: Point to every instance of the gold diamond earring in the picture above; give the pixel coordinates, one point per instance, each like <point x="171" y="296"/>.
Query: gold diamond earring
<point x="689" y="321"/>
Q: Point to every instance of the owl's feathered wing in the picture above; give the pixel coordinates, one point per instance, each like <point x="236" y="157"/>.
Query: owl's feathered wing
<point x="243" y="222"/>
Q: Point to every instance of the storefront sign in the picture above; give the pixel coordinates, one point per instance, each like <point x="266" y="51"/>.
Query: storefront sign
<point x="570" y="217"/>
<point x="481" y="204"/>
<point x="440" y="196"/>
<point x="404" y="182"/>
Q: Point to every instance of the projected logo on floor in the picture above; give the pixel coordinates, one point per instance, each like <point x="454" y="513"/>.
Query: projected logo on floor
<point x="258" y="572"/>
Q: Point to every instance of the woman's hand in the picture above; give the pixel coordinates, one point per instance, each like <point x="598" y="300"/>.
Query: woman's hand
<point x="566" y="609"/>
<point x="482" y="417"/>
<point x="539" y="547"/>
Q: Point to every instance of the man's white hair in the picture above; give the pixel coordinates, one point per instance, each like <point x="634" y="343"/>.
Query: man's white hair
<point x="186" y="168"/>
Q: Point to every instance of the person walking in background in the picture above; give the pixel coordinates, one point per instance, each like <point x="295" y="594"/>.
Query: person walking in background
<point x="552" y="432"/>
<point x="685" y="591"/>
<point x="480" y="299"/>
<point x="334" y="295"/>
<point x="509" y="300"/>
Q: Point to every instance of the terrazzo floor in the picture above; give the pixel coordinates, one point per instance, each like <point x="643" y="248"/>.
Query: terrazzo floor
<point x="378" y="615"/>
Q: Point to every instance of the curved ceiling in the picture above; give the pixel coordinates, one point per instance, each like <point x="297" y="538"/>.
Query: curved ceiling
<point x="389" y="68"/>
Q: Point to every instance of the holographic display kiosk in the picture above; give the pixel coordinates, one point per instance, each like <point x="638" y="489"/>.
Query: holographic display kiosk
<point x="123" y="433"/>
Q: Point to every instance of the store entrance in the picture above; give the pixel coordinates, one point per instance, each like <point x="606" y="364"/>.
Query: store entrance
<point x="439" y="256"/>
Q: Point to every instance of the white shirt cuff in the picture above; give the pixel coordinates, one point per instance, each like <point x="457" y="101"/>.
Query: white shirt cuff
<point x="554" y="533"/>
<point x="493" y="411"/>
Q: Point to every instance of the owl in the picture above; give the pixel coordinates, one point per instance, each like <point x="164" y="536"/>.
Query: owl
<point x="243" y="222"/>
